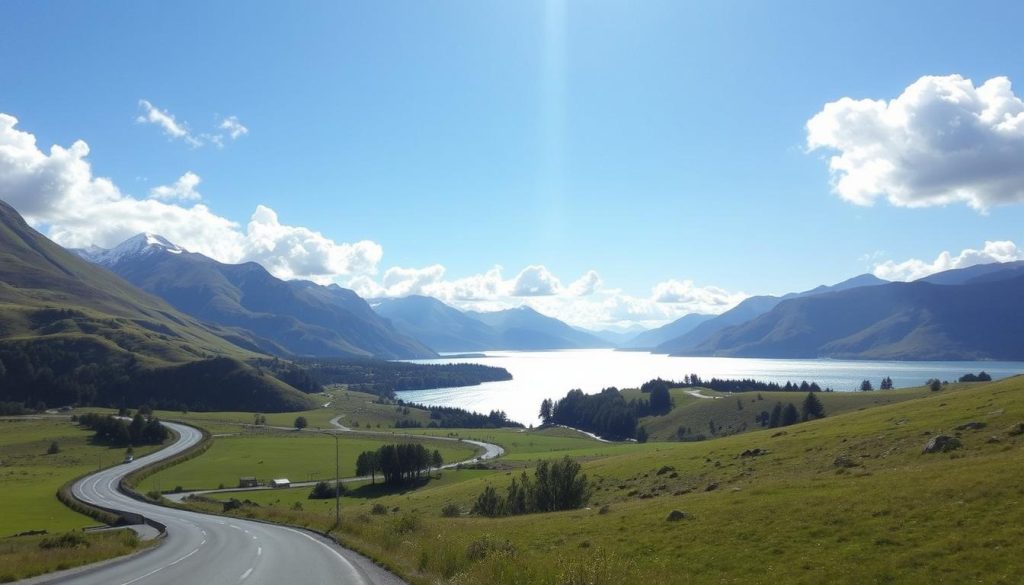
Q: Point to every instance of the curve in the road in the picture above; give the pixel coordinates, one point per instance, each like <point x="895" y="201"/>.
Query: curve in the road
<point x="209" y="549"/>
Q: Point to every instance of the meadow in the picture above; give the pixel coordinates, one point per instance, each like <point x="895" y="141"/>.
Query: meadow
<point x="849" y="498"/>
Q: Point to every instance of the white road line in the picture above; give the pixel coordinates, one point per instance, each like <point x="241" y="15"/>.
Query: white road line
<point x="323" y="544"/>
<point x="246" y="574"/>
<point x="259" y="550"/>
<point x="155" y="571"/>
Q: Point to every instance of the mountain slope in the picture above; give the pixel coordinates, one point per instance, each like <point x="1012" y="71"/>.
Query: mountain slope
<point x="911" y="321"/>
<point x="436" y="324"/>
<point x="655" y="337"/>
<point x="751" y="308"/>
<point x="73" y="332"/>
<point x="284" y="317"/>
<point x="523" y="328"/>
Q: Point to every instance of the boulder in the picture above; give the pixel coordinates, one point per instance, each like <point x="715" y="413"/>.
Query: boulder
<point x="1017" y="429"/>
<point x="942" y="444"/>
<point x="971" y="426"/>
<point x="844" y="461"/>
<point x="676" y="516"/>
<point x="757" y="452"/>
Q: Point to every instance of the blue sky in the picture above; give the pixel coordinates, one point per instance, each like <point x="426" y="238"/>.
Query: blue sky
<point x="650" y="142"/>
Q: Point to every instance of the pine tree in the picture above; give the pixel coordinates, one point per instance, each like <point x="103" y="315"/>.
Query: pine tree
<point x="790" y="415"/>
<point x="812" y="407"/>
<point x="776" y="417"/>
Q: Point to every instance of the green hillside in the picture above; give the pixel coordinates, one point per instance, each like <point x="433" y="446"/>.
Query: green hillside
<point x="71" y="332"/>
<point x="850" y="498"/>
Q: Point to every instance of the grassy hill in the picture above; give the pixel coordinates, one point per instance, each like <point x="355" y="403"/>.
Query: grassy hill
<point x="849" y="498"/>
<point x="73" y="332"/>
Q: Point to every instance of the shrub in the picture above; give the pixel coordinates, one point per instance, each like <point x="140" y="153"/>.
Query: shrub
<point x="326" y="490"/>
<point x="487" y="545"/>
<point x="379" y="509"/>
<point x="54" y="448"/>
<point x="451" y="510"/>
<point x="66" y="540"/>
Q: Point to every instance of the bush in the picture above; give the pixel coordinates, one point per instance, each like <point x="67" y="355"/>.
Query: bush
<point x="326" y="490"/>
<point x="66" y="540"/>
<point x="379" y="509"/>
<point x="486" y="545"/>
<point x="54" y="448"/>
<point x="451" y="510"/>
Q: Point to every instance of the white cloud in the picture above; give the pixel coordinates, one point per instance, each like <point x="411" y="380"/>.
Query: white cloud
<point x="166" y="121"/>
<point x="708" y="299"/>
<point x="228" y="127"/>
<point x="58" y="192"/>
<point x="586" y="285"/>
<point x="184" y="189"/>
<point x="233" y="127"/>
<point x="913" y="269"/>
<point x="942" y="141"/>
<point x="535" y="281"/>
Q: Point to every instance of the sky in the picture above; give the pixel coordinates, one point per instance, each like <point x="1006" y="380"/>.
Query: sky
<point x="613" y="164"/>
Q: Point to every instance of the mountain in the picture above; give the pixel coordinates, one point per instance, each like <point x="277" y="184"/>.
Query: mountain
<point x="901" y="321"/>
<point x="617" y="338"/>
<point x="978" y="273"/>
<point x="297" y="318"/>
<point x="523" y="328"/>
<point x="441" y="327"/>
<point x="752" y="308"/>
<point x="655" y="337"/>
<point x="448" y="329"/>
<point x="71" y="332"/>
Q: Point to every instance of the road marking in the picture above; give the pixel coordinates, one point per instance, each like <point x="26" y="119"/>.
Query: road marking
<point x="341" y="557"/>
<point x="259" y="550"/>
<point x="155" y="571"/>
<point x="246" y="574"/>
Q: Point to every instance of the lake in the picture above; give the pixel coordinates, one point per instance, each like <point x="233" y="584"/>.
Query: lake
<point x="550" y="374"/>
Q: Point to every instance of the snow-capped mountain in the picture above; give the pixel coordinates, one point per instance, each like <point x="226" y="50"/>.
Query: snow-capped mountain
<point x="134" y="247"/>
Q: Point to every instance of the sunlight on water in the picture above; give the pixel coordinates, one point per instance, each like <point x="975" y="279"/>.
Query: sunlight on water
<point x="550" y="374"/>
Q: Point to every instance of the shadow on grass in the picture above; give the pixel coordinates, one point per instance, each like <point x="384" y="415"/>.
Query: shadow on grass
<point x="380" y="489"/>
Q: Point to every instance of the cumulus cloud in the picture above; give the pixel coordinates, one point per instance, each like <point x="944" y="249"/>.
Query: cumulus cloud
<point x="942" y="141"/>
<point x="913" y="269"/>
<point x="535" y="281"/>
<point x="586" y="285"/>
<point x="184" y="189"/>
<point x="709" y="298"/>
<point x="57" y="191"/>
<point x="229" y="127"/>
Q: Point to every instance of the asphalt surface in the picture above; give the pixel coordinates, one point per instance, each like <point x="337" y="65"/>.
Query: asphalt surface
<point x="211" y="550"/>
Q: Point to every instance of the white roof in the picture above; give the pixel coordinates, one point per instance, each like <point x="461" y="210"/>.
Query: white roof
<point x="283" y="480"/>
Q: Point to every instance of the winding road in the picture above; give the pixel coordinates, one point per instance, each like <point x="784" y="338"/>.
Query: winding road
<point x="213" y="550"/>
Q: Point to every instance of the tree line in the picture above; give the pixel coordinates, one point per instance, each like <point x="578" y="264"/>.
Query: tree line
<point x="398" y="464"/>
<point x="115" y="431"/>
<point x="384" y="378"/>
<point x="556" y="485"/>
<point x="606" y="413"/>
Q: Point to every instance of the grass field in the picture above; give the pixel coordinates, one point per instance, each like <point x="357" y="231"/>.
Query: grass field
<point x="791" y="515"/>
<point x="736" y="412"/>
<point x="290" y="454"/>
<point x="28" y="556"/>
<point x="30" y="477"/>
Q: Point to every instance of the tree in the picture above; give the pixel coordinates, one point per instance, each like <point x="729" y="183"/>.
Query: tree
<point x="301" y="423"/>
<point x="812" y="407"/>
<point x="934" y="384"/>
<point x="866" y="386"/>
<point x="886" y="384"/>
<point x="641" y="435"/>
<point x="545" y="410"/>
<point x="54" y="448"/>
<point x="487" y="503"/>
<point x="324" y="490"/>
<point x="790" y="415"/>
<point x="776" y="417"/>
<point x="436" y="460"/>
<point x="366" y="464"/>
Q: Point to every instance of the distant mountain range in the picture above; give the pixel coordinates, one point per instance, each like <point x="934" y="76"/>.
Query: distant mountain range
<point x="285" y="318"/>
<point x="652" y="338"/>
<point x="447" y="329"/>
<point x="72" y="332"/>
<point x="749" y="309"/>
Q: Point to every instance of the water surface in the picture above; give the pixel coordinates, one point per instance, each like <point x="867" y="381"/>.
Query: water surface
<point x="550" y="374"/>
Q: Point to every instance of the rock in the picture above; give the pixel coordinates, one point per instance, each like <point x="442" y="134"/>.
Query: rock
<point x="753" y="453"/>
<point x="676" y="516"/>
<point x="971" y="426"/>
<point x="1017" y="429"/>
<point x="779" y="434"/>
<point x="942" y="444"/>
<point x="711" y="487"/>
<point x="993" y="439"/>
<point x="844" y="461"/>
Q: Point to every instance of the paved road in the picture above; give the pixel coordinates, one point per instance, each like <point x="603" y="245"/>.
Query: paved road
<point x="214" y="550"/>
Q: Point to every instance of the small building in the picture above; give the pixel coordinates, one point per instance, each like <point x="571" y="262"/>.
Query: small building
<point x="280" y="483"/>
<point x="247" y="482"/>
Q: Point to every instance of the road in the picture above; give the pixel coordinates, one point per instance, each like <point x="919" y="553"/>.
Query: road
<point x="214" y="550"/>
